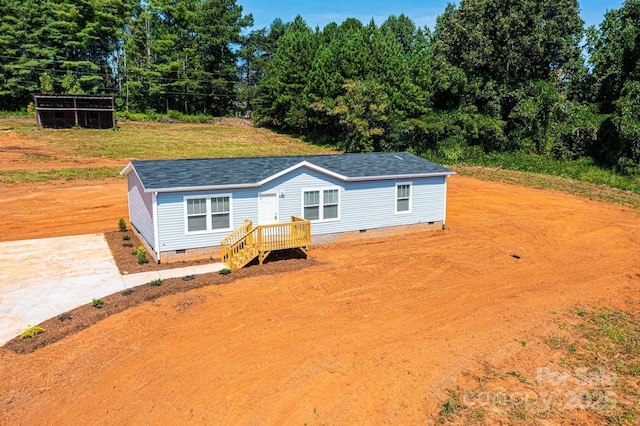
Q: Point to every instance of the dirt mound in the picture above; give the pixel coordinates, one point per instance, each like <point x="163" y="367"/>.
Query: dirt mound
<point x="374" y="332"/>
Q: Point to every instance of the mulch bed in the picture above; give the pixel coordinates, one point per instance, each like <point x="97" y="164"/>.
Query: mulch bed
<point x="128" y="263"/>
<point x="71" y="322"/>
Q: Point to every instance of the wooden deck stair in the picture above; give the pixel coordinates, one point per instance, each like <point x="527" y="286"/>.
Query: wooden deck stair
<point x="248" y="242"/>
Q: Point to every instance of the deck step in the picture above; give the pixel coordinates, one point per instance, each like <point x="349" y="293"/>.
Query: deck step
<point x="247" y="242"/>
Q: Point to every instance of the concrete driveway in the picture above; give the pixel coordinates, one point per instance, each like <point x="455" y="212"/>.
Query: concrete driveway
<point x="42" y="278"/>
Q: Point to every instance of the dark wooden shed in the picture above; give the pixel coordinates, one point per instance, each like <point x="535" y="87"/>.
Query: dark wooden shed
<point x="65" y="111"/>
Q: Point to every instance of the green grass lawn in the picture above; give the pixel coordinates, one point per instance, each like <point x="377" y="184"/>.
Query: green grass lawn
<point x="582" y="177"/>
<point x="137" y="140"/>
<point x="143" y="140"/>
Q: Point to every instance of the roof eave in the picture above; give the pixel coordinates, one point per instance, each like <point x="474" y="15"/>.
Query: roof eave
<point x="256" y="185"/>
<point x="403" y="176"/>
<point x="127" y="169"/>
<point x="202" y="188"/>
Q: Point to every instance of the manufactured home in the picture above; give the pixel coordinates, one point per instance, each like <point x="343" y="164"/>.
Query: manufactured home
<point x="188" y="206"/>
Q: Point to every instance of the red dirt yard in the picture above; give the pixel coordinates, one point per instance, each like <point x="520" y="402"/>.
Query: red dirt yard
<point x="374" y="333"/>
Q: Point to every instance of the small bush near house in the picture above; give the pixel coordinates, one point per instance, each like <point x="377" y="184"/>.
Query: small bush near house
<point x="156" y="283"/>
<point x="97" y="303"/>
<point x="126" y="237"/>
<point x="225" y="271"/>
<point x="32" y="332"/>
<point x="142" y="255"/>
<point x="122" y="225"/>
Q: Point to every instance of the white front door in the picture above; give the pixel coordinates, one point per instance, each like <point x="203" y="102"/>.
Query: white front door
<point x="268" y="209"/>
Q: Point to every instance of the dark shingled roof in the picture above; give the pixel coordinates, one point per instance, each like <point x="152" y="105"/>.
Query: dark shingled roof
<point x="159" y="175"/>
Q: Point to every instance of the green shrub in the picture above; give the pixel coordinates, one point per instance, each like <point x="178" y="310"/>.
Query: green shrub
<point x="142" y="255"/>
<point x="31" y="109"/>
<point x="32" y="332"/>
<point x="156" y="282"/>
<point x="224" y="271"/>
<point x="122" y="225"/>
<point x="176" y="115"/>
<point x="126" y="237"/>
<point x="97" y="303"/>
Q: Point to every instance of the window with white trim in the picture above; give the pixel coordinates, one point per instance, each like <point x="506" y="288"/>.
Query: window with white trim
<point x="312" y="205"/>
<point x="403" y="198"/>
<point x="207" y="214"/>
<point x="196" y="214"/>
<point x="321" y="204"/>
<point x="330" y="204"/>
<point x="220" y="213"/>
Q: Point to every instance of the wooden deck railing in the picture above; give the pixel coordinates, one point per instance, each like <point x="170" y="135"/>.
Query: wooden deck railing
<point x="229" y="244"/>
<point x="244" y="244"/>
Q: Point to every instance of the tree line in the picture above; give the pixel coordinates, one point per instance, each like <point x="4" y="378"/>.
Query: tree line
<point x="151" y="54"/>
<point x="493" y="75"/>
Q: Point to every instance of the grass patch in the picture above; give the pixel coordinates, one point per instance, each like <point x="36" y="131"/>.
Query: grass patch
<point x="598" y="192"/>
<point x="613" y="347"/>
<point x="450" y="408"/>
<point x="147" y="140"/>
<point x="556" y="342"/>
<point x="33" y="176"/>
<point x="582" y="177"/>
<point x="144" y="140"/>
<point x="518" y="376"/>
<point x="584" y="169"/>
<point x="597" y="378"/>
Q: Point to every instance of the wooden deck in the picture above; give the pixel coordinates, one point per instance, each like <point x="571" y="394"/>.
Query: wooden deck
<point x="248" y="242"/>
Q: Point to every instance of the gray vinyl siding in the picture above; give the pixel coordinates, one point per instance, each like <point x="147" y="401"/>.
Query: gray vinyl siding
<point x="363" y="205"/>
<point x="140" y="208"/>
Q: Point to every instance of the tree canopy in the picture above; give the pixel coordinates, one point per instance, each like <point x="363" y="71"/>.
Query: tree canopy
<point x="493" y="75"/>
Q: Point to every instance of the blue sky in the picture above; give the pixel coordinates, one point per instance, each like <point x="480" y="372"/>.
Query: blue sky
<point x="422" y="13"/>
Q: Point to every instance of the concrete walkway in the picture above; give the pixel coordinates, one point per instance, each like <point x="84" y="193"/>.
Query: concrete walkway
<point x="42" y="278"/>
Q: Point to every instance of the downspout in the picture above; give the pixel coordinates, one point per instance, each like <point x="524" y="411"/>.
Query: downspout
<point x="156" y="233"/>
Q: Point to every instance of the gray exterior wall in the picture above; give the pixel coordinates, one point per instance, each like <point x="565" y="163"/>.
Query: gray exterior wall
<point x="140" y="208"/>
<point x="363" y="205"/>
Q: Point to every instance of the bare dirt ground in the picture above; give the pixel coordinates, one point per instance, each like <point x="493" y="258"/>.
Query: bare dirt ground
<point x="61" y="208"/>
<point x="374" y="332"/>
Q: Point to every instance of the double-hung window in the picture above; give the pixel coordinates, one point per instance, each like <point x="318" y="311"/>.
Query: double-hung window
<point x="196" y="214"/>
<point x="321" y="204"/>
<point x="207" y="214"/>
<point x="312" y="205"/>
<point x="403" y="198"/>
<point x="220" y="213"/>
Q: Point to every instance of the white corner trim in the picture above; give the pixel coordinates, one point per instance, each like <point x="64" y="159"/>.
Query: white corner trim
<point x="444" y="204"/>
<point x="156" y="232"/>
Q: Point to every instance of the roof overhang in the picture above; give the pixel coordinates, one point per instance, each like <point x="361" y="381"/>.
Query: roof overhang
<point x="281" y="173"/>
